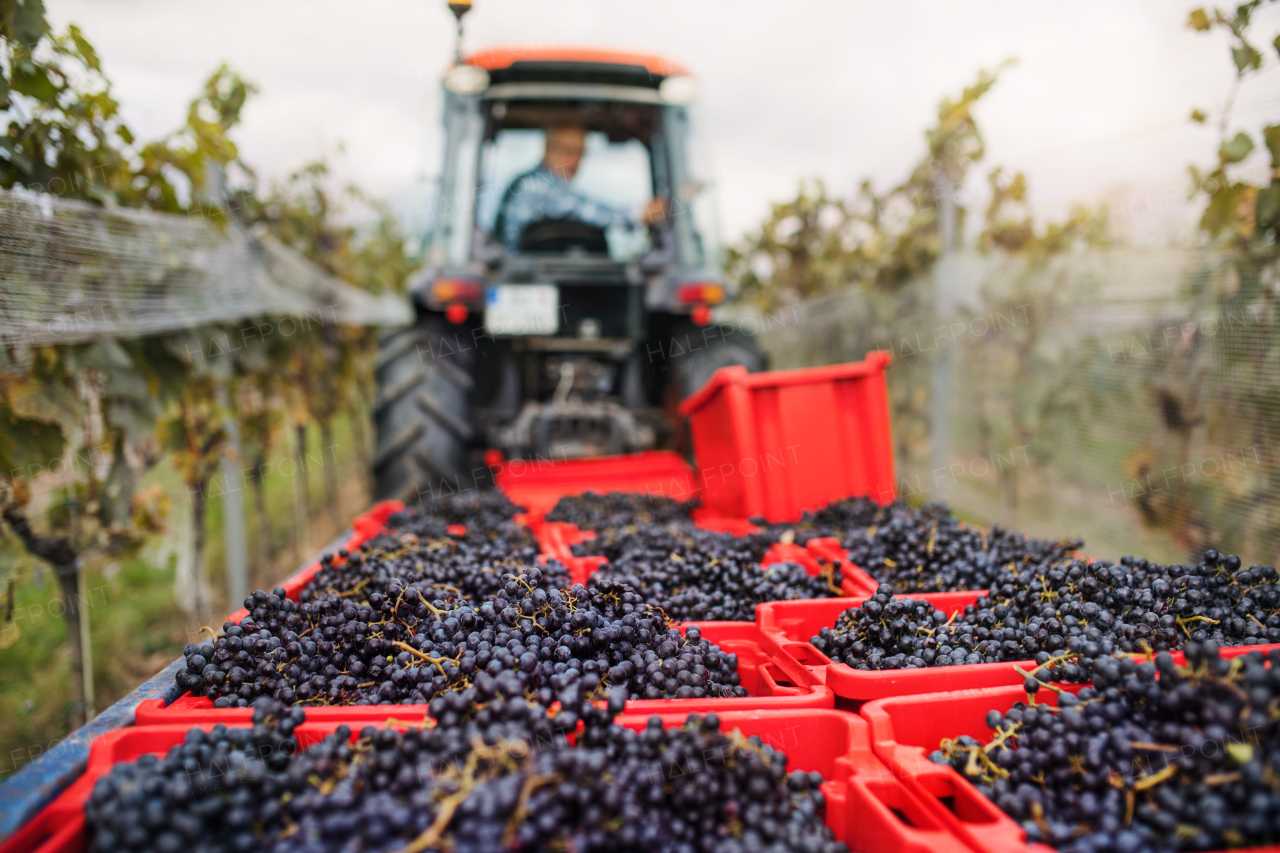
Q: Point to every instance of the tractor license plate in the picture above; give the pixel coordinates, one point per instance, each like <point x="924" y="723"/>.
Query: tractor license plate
<point x="522" y="309"/>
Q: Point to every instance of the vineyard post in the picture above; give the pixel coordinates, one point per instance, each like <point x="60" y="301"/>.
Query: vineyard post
<point x="301" y="504"/>
<point x="86" y="649"/>
<point x="942" y="284"/>
<point x="233" y="522"/>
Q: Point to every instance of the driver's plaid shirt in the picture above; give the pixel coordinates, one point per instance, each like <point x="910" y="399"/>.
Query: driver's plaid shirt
<point x="542" y="194"/>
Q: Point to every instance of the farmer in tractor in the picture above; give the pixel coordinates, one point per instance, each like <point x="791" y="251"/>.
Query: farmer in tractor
<point x="545" y="192"/>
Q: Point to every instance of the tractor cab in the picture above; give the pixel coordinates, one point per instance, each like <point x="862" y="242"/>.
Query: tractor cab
<point x="570" y="270"/>
<point x="634" y="112"/>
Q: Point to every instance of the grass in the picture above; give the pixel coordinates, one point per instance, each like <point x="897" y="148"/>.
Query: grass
<point x="135" y="625"/>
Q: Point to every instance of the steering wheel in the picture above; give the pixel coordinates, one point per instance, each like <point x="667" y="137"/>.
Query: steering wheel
<point x="560" y="235"/>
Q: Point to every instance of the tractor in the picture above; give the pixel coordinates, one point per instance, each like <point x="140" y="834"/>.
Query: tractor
<point x="544" y="333"/>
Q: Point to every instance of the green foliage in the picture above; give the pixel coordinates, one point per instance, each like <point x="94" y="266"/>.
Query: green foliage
<point x="64" y="133"/>
<point x="802" y="247"/>
<point x="815" y="244"/>
<point x="1237" y="214"/>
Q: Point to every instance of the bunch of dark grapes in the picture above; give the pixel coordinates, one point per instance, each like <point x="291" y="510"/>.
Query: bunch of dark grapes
<point x="912" y="550"/>
<point x="842" y="519"/>
<point x="681" y="538"/>
<point x="208" y="794"/>
<point x="1153" y="757"/>
<point x="929" y="549"/>
<point x="446" y="568"/>
<point x="1065" y="616"/>
<point x="496" y="772"/>
<point x="397" y="646"/>
<point x="696" y="575"/>
<point x="619" y="511"/>
<point x="487" y="514"/>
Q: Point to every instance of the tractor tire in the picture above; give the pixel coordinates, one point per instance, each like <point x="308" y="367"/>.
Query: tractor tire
<point x="420" y="414"/>
<point x="690" y="372"/>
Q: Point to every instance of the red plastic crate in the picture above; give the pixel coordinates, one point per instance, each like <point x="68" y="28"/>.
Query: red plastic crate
<point x="556" y="540"/>
<point x="365" y="526"/>
<point x="773" y="678"/>
<point x="867" y="807"/>
<point x="775" y="444"/>
<point x="905" y="729"/>
<point x="793" y="623"/>
<point x="538" y="484"/>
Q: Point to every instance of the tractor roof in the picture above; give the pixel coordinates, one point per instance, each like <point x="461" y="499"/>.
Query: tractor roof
<point x="573" y="65"/>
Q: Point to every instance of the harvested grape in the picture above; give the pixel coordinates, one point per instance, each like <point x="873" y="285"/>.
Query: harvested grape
<point x="487" y="515"/>
<point x="695" y="575"/>
<point x="616" y="513"/>
<point x="929" y="549"/>
<point x="1152" y="757"/>
<point x="391" y="644"/>
<point x="495" y="772"/>
<point x="1066" y="615"/>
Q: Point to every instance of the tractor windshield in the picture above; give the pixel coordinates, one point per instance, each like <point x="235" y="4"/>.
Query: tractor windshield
<point x="609" y="188"/>
<point x="508" y="187"/>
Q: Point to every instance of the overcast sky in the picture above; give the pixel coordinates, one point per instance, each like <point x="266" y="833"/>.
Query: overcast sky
<point x="1096" y="108"/>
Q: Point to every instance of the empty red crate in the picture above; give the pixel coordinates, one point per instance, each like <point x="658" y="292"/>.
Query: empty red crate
<point x="867" y="807"/>
<point x="775" y="444"/>
<point x="905" y="729"/>
<point x="793" y="623"/>
<point x="773" y="678"/>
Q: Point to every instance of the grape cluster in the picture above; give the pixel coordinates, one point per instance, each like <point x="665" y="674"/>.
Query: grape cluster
<point x="616" y="513"/>
<point x="206" y="794"/>
<point x="929" y="549"/>
<point x="448" y="568"/>
<point x="496" y="772"/>
<point x="487" y="514"/>
<point x="924" y="550"/>
<point x="397" y="646"/>
<point x="696" y="575"/>
<point x="1065" y="616"/>
<point x="842" y="518"/>
<point x="1153" y="757"/>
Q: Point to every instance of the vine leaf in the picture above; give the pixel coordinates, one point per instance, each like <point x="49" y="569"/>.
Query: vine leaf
<point x="1240" y="147"/>
<point x="1198" y="20"/>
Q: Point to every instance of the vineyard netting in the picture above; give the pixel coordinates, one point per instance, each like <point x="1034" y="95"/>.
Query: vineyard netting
<point x="73" y="271"/>
<point x="1128" y="396"/>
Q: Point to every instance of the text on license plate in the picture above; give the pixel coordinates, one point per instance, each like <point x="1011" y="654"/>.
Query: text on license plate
<point x="522" y="309"/>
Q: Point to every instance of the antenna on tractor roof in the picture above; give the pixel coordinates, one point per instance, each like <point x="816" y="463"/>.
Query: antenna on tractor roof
<point x="459" y="8"/>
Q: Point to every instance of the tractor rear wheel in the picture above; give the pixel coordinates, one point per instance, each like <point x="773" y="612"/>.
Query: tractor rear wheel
<point x="691" y="371"/>
<point x="420" y="413"/>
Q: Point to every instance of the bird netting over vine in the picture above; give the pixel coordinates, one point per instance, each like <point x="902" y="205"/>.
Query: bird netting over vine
<point x="73" y="271"/>
<point x="1130" y="396"/>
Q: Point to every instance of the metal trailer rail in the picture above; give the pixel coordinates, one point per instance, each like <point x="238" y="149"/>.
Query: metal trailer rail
<point x="37" y="784"/>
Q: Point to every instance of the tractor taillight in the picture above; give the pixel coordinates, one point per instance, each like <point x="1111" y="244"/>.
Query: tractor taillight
<point x="456" y="313"/>
<point x="446" y="290"/>
<point x="705" y="293"/>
